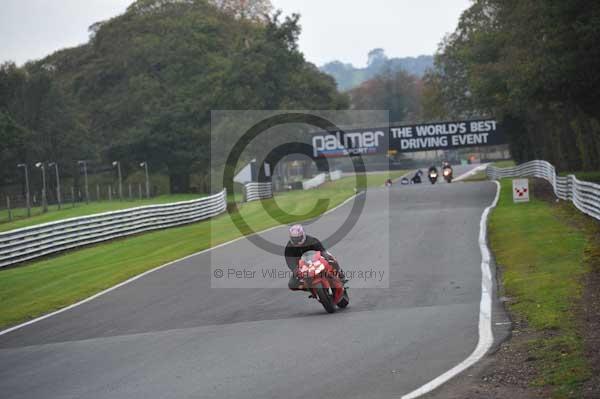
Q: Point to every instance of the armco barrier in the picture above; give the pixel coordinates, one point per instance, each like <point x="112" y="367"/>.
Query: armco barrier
<point x="584" y="195"/>
<point x="335" y="175"/>
<point x="314" y="182"/>
<point x="258" y="191"/>
<point x="33" y="242"/>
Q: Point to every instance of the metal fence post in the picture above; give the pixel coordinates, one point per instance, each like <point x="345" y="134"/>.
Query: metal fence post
<point x="109" y="193"/>
<point x="97" y="192"/>
<point x="27" y="191"/>
<point x="569" y="193"/>
<point x="72" y="197"/>
<point x="8" y="208"/>
<point x="130" y="193"/>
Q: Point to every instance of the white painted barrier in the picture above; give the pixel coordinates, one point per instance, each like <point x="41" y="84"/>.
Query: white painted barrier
<point x="258" y="191"/>
<point x="584" y="195"/>
<point x="335" y="175"/>
<point x="36" y="241"/>
<point x="314" y="182"/>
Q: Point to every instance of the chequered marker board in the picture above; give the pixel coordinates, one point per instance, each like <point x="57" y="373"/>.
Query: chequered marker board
<point x="520" y="190"/>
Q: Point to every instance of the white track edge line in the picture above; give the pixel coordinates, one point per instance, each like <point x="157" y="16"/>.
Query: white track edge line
<point x="486" y="337"/>
<point x="134" y="278"/>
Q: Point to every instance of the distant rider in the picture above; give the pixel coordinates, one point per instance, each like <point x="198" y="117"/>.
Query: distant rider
<point x="416" y="179"/>
<point x="300" y="243"/>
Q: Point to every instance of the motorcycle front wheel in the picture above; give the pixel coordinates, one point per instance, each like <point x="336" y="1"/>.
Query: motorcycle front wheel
<point x="345" y="301"/>
<point x="325" y="298"/>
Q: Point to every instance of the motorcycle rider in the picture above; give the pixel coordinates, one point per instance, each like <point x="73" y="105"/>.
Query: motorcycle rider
<point x="446" y="166"/>
<point x="300" y="243"/>
<point x="432" y="171"/>
<point x="416" y="179"/>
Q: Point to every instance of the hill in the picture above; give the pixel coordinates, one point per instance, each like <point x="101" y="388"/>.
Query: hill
<point x="349" y="77"/>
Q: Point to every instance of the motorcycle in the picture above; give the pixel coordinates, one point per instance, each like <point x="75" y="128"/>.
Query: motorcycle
<point x="416" y="179"/>
<point x="448" y="175"/>
<point x="321" y="279"/>
<point x="433" y="176"/>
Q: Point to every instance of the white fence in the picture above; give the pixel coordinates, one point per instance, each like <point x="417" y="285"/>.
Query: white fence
<point x="33" y="242"/>
<point x="335" y="175"/>
<point x="314" y="182"/>
<point x="584" y="195"/>
<point x="258" y="191"/>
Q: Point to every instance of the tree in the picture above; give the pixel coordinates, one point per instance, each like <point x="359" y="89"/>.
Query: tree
<point x="376" y="58"/>
<point x="257" y="10"/>
<point x="145" y="84"/>
<point x="397" y="92"/>
<point x="534" y="65"/>
<point x="37" y="119"/>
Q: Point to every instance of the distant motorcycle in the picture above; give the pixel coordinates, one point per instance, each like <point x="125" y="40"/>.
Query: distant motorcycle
<point x="448" y="173"/>
<point x="433" y="175"/>
<point x="321" y="279"/>
<point x="416" y="179"/>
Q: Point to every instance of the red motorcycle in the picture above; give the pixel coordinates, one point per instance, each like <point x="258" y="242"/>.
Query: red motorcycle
<point x="318" y="276"/>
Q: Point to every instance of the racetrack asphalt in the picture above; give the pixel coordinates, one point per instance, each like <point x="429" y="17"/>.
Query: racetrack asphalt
<point x="170" y="335"/>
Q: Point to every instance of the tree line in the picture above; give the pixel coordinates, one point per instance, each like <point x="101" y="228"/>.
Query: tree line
<point x="397" y="91"/>
<point x="143" y="87"/>
<point x="349" y="77"/>
<point x="534" y="65"/>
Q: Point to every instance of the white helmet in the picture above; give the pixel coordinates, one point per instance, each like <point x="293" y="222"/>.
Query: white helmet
<point x="297" y="234"/>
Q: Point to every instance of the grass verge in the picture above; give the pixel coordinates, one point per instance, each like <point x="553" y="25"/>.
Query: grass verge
<point x="593" y="177"/>
<point x="37" y="288"/>
<point x="80" y="209"/>
<point x="541" y="249"/>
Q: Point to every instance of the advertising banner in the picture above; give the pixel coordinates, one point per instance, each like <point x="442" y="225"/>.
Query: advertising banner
<point x="407" y="138"/>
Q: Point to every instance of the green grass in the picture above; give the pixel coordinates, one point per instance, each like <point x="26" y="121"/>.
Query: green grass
<point x="504" y="164"/>
<point x="593" y="177"/>
<point x="37" y="288"/>
<point x="81" y="209"/>
<point x="542" y="257"/>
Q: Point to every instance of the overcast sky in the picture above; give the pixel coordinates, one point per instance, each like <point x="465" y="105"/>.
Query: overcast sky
<point x="342" y="30"/>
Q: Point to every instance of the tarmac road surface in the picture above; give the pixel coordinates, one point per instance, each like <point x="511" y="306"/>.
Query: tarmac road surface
<point x="170" y="335"/>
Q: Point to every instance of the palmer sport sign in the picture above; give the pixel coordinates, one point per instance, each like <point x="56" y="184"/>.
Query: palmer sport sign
<point x="408" y="138"/>
<point x="348" y="143"/>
